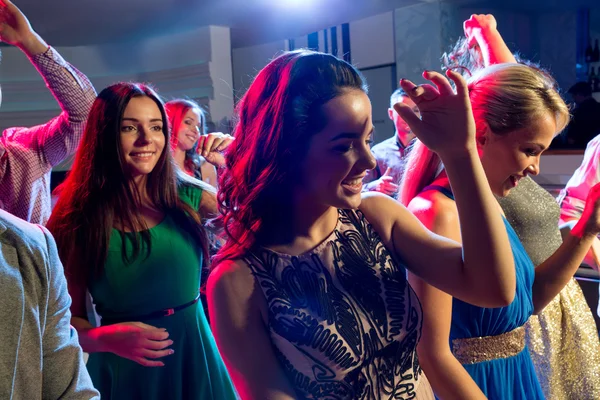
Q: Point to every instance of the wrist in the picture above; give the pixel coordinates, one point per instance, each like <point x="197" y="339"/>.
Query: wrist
<point x="484" y="34"/>
<point x="583" y="232"/>
<point x="32" y="45"/>
<point x="95" y="339"/>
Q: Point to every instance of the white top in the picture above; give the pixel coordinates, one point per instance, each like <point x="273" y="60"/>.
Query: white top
<point x="572" y="197"/>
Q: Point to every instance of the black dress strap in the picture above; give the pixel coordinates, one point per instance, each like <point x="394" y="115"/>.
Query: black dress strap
<point x="443" y="190"/>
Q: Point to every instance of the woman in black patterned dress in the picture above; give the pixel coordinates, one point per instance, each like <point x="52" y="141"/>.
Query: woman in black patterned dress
<point x="309" y="297"/>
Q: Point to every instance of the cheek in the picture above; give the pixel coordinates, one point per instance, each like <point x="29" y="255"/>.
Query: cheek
<point x="160" y="141"/>
<point x="126" y="144"/>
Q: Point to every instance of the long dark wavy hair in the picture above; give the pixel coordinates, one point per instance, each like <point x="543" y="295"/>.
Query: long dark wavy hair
<point x="277" y="117"/>
<point x="176" y="110"/>
<point x="98" y="193"/>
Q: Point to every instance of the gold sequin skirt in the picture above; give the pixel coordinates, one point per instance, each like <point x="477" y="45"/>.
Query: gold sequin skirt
<point x="565" y="349"/>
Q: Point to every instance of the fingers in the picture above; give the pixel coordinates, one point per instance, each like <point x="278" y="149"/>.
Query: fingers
<point x="155" y="334"/>
<point x="227" y="140"/>
<point x="418" y="93"/>
<point x="408" y="115"/>
<point x="387" y="172"/>
<point x="147" y="363"/>
<point x="200" y="144"/>
<point x="154" y="354"/>
<point x="207" y="144"/>
<point x="460" y="83"/>
<point x="216" y="141"/>
<point x="386" y="185"/>
<point x="156" y="344"/>
<point x="440" y="81"/>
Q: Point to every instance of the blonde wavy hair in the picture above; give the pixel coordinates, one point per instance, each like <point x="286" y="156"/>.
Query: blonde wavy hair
<point x="505" y="98"/>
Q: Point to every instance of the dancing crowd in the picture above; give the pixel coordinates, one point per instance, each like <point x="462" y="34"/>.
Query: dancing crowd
<point x="292" y="259"/>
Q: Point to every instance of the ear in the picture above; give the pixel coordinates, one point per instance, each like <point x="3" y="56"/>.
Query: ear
<point x="391" y="113"/>
<point x="483" y="135"/>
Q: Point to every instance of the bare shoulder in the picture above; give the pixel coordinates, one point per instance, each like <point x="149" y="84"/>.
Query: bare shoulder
<point x="382" y="212"/>
<point x="229" y="277"/>
<point x="233" y="290"/>
<point x="434" y="210"/>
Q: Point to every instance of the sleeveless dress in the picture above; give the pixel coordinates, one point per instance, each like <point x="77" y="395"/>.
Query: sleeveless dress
<point x="167" y="278"/>
<point x="506" y="377"/>
<point x="563" y="338"/>
<point x="343" y="319"/>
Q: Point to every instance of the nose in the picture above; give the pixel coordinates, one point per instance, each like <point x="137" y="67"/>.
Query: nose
<point x="144" y="136"/>
<point x="367" y="160"/>
<point x="534" y="169"/>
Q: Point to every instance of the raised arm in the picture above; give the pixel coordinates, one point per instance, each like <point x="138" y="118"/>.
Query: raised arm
<point x="481" y="272"/>
<point x="482" y="31"/>
<point x="238" y="313"/>
<point x="58" y="138"/>
<point x="64" y="373"/>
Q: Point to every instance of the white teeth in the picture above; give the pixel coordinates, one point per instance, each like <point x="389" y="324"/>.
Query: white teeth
<point x="141" y="154"/>
<point x="353" y="182"/>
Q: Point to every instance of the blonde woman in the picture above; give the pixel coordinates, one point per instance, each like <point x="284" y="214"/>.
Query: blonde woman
<point x="517" y="114"/>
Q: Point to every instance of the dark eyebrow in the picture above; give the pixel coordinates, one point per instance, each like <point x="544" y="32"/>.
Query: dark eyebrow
<point x="137" y="120"/>
<point x="351" y="135"/>
<point x="346" y="135"/>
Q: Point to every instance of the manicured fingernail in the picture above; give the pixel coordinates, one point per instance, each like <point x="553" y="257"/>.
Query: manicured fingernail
<point x="171" y="351"/>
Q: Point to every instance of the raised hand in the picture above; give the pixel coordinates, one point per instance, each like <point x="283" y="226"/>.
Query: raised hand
<point x="211" y="146"/>
<point x="446" y="125"/>
<point x="589" y="223"/>
<point x="138" y="342"/>
<point x="478" y="26"/>
<point x="16" y="30"/>
<point x="386" y="184"/>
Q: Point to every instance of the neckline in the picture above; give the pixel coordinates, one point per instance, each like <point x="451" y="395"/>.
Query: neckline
<point x="317" y="248"/>
<point x="162" y="221"/>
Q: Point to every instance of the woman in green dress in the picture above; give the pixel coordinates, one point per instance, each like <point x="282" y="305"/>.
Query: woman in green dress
<point x="129" y="230"/>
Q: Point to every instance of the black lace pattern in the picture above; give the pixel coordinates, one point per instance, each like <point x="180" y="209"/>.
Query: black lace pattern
<point x="343" y="319"/>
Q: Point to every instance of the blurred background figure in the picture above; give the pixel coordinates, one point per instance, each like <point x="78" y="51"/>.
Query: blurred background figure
<point x="391" y="153"/>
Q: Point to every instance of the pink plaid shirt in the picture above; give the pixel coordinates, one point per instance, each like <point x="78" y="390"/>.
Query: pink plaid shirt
<point x="27" y="155"/>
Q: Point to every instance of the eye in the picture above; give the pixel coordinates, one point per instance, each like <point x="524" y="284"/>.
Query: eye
<point x="157" y="128"/>
<point x="188" y="122"/>
<point x="531" y="152"/>
<point x="344" y="148"/>
<point x="127" y="128"/>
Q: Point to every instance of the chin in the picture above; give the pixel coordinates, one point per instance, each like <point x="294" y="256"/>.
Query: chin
<point x="505" y="191"/>
<point x="349" y="202"/>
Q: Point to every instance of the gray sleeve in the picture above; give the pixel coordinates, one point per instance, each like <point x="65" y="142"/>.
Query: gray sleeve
<point x="64" y="373"/>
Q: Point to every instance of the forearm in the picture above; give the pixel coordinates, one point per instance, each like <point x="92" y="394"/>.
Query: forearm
<point x="448" y="378"/>
<point x="493" y="48"/>
<point x="554" y="273"/>
<point x="89" y="337"/>
<point x="487" y="267"/>
<point x="72" y="89"/>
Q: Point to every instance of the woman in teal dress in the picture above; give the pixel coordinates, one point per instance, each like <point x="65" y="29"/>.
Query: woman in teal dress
<point x="129" y="230"/>
<point x="470" y="352"/>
